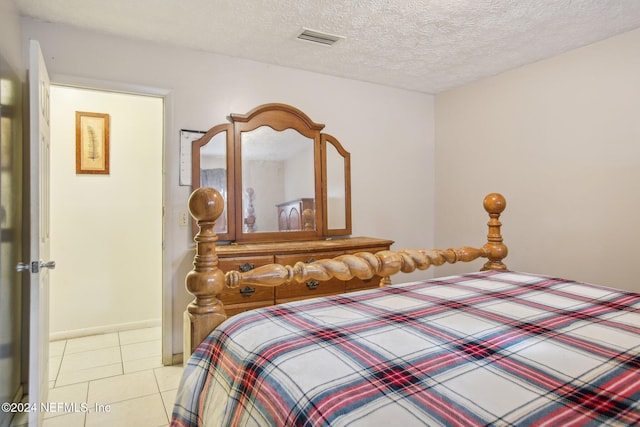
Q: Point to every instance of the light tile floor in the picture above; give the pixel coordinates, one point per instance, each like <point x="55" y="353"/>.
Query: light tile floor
<point x="121" y="372"/>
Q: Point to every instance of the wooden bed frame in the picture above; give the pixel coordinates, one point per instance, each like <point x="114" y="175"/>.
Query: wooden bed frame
<point x="206" y="281"/>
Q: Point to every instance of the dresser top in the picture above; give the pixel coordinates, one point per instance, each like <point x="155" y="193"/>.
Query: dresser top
<point x="307" y="246"/>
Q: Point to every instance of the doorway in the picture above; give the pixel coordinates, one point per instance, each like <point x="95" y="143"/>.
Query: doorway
<point x="106" y="228"/>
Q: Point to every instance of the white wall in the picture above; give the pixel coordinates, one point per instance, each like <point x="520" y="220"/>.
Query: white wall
<point x="389" y="132"/>
<point x="106" y="230"/>
<point x="561" y="140"/>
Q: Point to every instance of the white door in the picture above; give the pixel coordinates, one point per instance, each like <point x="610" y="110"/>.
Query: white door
<point x="39" y="263"/>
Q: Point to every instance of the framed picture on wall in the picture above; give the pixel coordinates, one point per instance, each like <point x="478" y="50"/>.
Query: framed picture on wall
<point x="92" y="143"/>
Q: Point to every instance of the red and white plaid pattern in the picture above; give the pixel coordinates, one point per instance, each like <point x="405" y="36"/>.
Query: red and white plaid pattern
<point x="491" y="348"/>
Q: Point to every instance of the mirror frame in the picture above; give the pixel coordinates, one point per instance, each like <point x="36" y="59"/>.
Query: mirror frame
<point x="195" y="175"/>
<point x="279" y="117"/>
<point x="324" y="140"/>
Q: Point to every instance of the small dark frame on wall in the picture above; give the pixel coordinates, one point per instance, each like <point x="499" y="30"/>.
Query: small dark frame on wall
<point x="92" y="143"/>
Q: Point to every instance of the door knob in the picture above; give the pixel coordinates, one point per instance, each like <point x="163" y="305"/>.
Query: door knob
<point x="35" y="266"/>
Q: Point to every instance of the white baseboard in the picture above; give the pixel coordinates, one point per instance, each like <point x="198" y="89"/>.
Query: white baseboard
<point x="98" y="330"/>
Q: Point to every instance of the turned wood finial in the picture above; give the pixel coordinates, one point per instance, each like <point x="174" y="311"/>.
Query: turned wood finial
<point x="495" y="250"/>
<point x="206" y="204"/>
<point x="206" y="280"/>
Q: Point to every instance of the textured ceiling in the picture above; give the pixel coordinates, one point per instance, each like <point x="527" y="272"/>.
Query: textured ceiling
<point x="423" y="45"/>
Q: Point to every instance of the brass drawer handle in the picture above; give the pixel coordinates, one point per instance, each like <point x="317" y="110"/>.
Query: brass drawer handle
<point x="312" y="284"/>
<point x="246" y="267"/>
<point x="247" y="291"/>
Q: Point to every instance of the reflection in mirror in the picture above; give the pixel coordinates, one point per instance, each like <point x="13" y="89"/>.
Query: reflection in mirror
<point x="336" y="197"/>
<point x="278" y="181"/>
<point x="213" y="172"/>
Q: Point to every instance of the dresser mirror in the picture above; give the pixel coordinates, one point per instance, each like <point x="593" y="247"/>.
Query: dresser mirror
<point x="211" y="166"/>
<point x="282" y="179"/>
<point x="277" y="169"/>
<point x="337" y="179"/>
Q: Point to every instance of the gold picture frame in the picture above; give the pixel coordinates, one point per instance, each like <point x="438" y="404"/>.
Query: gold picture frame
<point x="92" y="143"/>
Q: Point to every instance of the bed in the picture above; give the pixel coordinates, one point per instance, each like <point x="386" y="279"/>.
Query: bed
<point x="494" y="347"/>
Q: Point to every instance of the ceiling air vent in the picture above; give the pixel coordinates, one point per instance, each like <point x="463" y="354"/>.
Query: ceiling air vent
<point x="318" y="37"/>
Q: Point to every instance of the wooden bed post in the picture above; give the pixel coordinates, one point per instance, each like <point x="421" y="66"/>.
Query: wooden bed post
<point x="206" y="280"/>
<point x="495" y="250"/>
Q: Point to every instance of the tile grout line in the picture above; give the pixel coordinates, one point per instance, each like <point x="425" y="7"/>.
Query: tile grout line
<point x="164" y="405"/>
<point x="64" y="347"/>
<point x="121" y="355"/>
<point x="86" y="399"/>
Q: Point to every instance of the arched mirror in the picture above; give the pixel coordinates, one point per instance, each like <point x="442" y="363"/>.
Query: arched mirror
<point x="212" y="166"/>
<point x="336" y="187"/>
<point x="285" y="180"/>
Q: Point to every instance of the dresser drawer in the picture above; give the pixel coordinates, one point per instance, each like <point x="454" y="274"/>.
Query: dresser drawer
<point x="259" y="295"/>
<point x="311" y="288"/>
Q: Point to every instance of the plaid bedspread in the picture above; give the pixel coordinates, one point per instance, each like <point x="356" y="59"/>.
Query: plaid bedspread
<point x="492" y="348"/>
